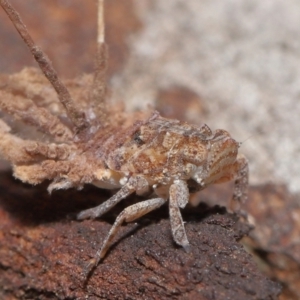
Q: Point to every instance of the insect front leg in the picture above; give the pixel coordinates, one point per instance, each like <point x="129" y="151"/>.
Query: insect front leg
<point x="129" y="214"/>
<point x="179" y="197"/>
<point x="134" y="184"/>
<point x="240" y="192"/>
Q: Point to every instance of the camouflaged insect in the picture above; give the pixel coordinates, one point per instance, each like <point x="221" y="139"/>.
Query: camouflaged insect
<point x="90" y="142"/>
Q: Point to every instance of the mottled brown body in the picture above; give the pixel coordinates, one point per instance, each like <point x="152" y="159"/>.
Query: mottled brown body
<point x="86" y="141"/>
<point x="164" y="150"/>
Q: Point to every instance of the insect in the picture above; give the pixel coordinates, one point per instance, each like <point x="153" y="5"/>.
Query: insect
<point x="88" y="141"/>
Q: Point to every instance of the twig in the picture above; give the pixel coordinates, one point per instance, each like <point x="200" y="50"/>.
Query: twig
<point x="77" y="117"/>
<point x="98" y="91"/>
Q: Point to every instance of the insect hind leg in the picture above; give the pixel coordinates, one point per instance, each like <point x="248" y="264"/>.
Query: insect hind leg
<point x="129" y="214"/>
<point x="134" y="184"/>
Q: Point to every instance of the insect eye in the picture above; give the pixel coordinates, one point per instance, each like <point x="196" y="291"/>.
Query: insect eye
<point x="137" y="138"/>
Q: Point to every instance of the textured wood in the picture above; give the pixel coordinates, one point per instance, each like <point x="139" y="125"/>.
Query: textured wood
<point x="44" y="251"/>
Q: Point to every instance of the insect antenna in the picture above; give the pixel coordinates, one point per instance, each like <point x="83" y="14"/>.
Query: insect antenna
<point x="248" y="138"/>
<point x="75" y="115"/>
<point x="99" y="88"/>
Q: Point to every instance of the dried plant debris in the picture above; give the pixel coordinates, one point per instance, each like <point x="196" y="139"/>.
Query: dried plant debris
<point x="43" y="254"/>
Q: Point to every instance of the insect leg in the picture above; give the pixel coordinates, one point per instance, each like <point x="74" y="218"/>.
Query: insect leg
<point x="240" y="191"/>
<point x="129" y="214"/>
<point x="133" y="184"/>
<point x="179" y="196"/>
